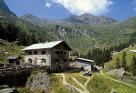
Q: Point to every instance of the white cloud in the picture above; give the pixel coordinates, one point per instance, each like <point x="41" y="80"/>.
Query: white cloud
<point x="48" y="5"/>
<point x="78" y="7"/>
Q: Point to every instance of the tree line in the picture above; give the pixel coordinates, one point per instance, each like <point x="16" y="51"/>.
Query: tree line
<point x="22" y="32"/>
<point x="121" y="63"/>
<point x="101" y="56"/>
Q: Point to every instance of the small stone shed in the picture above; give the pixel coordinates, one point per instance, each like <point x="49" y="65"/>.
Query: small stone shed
<point x="14" y="60"/>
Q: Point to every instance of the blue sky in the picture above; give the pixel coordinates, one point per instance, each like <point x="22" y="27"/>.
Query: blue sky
<point x="58" y="9"/>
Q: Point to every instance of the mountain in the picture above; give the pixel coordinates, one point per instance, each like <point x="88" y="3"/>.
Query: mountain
<point x="33" y="19"/>
<point x="82" y="33"/>
<point x="89" y="19"/>
<point x="4" y="10"/>
<point x="130" y="22"/>
<point x="83" y="19"/>
<point x="86" y="36"/>
<point x="41" y="21"/>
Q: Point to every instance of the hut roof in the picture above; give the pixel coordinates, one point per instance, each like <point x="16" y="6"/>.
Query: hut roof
<point x="46" y="45"/>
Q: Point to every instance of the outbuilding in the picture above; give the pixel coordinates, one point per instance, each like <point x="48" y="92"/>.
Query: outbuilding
<point x="85" y="64"/>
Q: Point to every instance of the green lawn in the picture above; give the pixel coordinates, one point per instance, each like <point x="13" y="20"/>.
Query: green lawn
<point x="78" y="76"/>
<point x="100" y="84"/>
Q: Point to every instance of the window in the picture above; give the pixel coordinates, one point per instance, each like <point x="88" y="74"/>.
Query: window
<point x="43" y="52"/>
<point x="35" y="52"/>
<point x="64" y="53"/>
<point x="43" y="60"/>
<point x="57" y="52"/>
<point x="56" y="60"/>
<point x="65" y="60"/>
<point x="61" y="52"/>
<point x="29" y="52"/>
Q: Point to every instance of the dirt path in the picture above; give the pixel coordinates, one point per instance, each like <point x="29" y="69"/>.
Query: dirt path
<point x="81" y="85"/>
<point x="88" y="79"/>
<point x="67" y="84"/>
<point x="118" y="81"/>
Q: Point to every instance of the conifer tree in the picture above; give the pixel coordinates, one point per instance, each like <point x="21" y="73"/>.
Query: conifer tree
<point x="118" y="63"/>
<point x="89" y="54"/>
<point x="124" y="63"/>
<point x="133" y="65"/>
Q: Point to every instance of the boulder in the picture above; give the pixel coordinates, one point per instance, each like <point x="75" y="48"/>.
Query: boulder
<point x="117" y="72"/>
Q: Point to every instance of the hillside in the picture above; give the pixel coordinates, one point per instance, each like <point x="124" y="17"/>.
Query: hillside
<point x="95" y="36"/>
<point x="85" y="36"/>
<point x="98" y="83"/>
<point x="4" y="10"/>
<point x="77" y="83"/>
<point x="7" y="49"/>
<point x="129" y="55"/>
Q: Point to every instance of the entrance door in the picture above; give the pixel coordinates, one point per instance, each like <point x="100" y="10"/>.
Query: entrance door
<point x="60" y="68"/>
<point x="30" y="61"/>
<point x="35" y="61"/>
